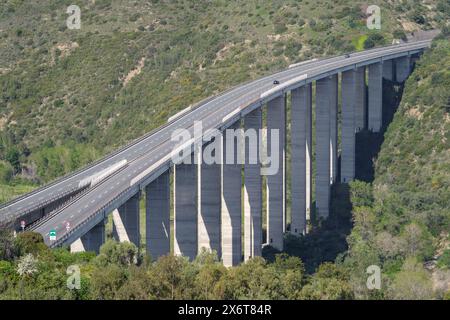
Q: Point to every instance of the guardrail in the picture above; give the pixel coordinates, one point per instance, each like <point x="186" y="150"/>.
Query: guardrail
<point x="100" y="210"/>
<point x="4" y="220"/>
<point x="78" y="196"/>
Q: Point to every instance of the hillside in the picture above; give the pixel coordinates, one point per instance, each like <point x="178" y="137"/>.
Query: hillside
<point x="69" y="96"/>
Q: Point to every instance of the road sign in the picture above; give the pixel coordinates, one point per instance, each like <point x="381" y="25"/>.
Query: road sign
<point x="52" y="235"/>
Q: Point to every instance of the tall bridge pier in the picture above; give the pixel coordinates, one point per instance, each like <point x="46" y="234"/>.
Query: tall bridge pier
<point x="157" y="232"/>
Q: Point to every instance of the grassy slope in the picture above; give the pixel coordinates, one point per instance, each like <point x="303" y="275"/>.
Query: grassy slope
<point x="63" y="99"/>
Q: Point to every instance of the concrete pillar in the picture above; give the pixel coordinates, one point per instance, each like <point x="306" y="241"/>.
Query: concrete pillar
<point x="120" y="233"/>
<point x="375" y="97"/>
<point x="185" y="209"/>
<point x="324" y="88"/>
<point x="276" y="120"/>
<point x="129" y="214"/>
<point x="157" y="227"/>
<point x="231" y="208"/>
<point x="348" y="126"/>
<point x="94" y="238"/>
<point x="252" y="188"/>
<point x="300" y="158"/>
<point x="402" y="68"/>
<point x="413" y="59"/>
<point x="209" y="207"/>
<point x="388" y="70"/>
<point x="360" y="99"/>
<point x="77" y="246"/>
<point x="334" y="82"/>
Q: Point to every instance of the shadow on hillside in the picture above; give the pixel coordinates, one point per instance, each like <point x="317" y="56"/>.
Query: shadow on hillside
<point x="327" y="239"/>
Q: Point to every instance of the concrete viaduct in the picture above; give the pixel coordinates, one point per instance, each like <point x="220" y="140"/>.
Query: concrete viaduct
<point x="220" y="207"/>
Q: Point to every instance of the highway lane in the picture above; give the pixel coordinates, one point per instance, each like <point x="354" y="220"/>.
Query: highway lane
<point x="29" y="202"/>
<point x="78" y="211"/>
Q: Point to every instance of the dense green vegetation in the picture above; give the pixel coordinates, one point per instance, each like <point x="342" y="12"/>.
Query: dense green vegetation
<point x="69" y="96"/>
<point x="120" y="272"/>
<point x="64" y="102"/>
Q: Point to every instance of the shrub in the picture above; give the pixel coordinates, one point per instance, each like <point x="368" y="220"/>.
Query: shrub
<point x="30" y="242"/>
<point x="6" y="172"/>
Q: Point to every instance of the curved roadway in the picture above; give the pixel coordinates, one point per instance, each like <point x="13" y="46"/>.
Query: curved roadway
<point x="154" y="148"/>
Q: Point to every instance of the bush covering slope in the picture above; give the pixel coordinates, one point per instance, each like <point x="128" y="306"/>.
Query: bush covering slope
<point x="402" y="222"/>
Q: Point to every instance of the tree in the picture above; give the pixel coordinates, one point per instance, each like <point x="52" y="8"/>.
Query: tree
<point x="106" y="281"/>
<point x="373" y="39"/>
<point x="399" y="34"/>
<point x="7" y="248"/>
<point x="169" y="275"/>
<point x="412" y="283"/>
<point x="328" y="283"/>
<point x="119" y="253"/>
<point x="13" y="156"/>
<point x="207" y="281"/>
<point x="30" y="242"/>
<point x="444" y="260"/>
<point x="27" y="265"/>
<point x="291" y="272"/>
<point x="6" y="172"/>
<point x="417" y="241"/>
<point x="252" y="280"/>
<point x="138" y="285"/>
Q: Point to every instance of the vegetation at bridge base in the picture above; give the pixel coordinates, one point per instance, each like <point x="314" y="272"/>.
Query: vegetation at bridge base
<point x="120" y="272"/>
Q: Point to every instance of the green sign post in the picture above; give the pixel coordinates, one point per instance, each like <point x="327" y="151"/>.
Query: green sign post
<point x="52" y="235"/>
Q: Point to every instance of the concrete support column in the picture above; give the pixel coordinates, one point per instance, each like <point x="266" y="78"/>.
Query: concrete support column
<point x="94" y="238"/>
<point x="388" y="70"/>
<point x="231" y="208"/>
<point x="375" y="97"/>
<point x="360" y="99"/>
<point x="158" y="216"/>
<point x="324" y="88"/>
<point x="129" y="216"/>
<point x="413" y="59"/>
<point x="348" y="126"/>
<point x="276" y="120"/>
<point x="300" y="158"/>
<point x="119" y="231"/>
<point x="185" y="209"/>
<point x="252" y="188"/>
<point x="334" y="93"/>
<point x="209" y="207"/>
<point x="77" y="246"/>
<point x="402" y="68"/>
